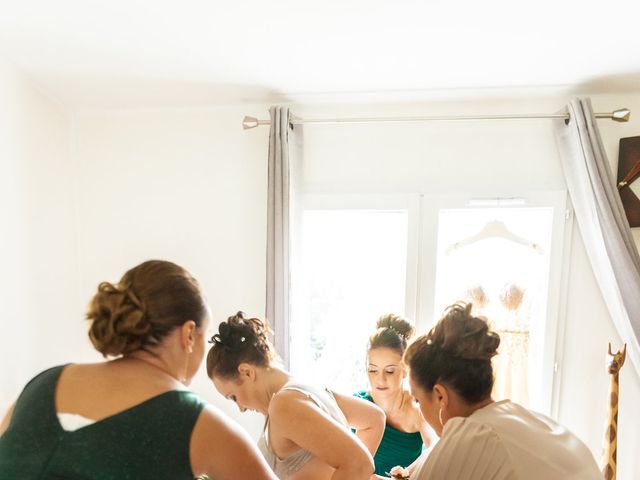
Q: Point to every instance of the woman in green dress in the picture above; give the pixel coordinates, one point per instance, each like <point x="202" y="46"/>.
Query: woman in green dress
<point x="130" y="417"/>
<point x="406" y="432"/>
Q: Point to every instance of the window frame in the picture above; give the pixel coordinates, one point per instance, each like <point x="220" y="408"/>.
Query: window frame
<point x="422" y="236"/>
<point x="545" y="400"/>
<point x="409" y="202"/>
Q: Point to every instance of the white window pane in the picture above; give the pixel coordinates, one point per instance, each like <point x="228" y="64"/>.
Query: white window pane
<point x="351" y="269"/>
<point x="506" y="279"/>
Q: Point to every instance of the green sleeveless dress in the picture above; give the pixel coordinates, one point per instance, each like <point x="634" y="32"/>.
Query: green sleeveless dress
<point x="147" y="441"/>
<point x="396" y="447"/>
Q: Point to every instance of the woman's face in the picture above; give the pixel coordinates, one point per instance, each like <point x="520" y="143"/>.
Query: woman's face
<point x="240" y="390"/>
<point x="385" y="370"/>
<point x="429" y="406"/>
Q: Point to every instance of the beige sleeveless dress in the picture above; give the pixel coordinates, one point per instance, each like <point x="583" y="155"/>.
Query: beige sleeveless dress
<point x="285" y="467"/>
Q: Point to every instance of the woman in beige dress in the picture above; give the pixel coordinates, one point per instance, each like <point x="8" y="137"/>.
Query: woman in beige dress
<point x="307" y="432"/>
<point x="480" y="439"/>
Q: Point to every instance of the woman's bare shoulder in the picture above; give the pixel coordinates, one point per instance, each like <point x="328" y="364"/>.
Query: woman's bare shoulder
<point x="411" y="409"/>
<point x="287" y="401"/>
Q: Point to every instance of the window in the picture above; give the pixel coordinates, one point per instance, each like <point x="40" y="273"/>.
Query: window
<point x="358" y="257"/>
<point x="352" y="267"/>
<point x="498" y="259"/>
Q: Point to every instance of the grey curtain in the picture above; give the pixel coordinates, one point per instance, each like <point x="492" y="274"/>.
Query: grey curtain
<point x="602" y="221"/>
<point x="278" y="306"/>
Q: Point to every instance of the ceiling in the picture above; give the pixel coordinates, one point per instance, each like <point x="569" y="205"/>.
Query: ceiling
<point x="133" y="53"/>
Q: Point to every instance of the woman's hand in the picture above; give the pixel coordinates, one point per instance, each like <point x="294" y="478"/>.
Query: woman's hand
<point x="399" y="472"/>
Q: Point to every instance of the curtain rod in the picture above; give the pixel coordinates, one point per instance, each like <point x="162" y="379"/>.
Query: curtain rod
<point x="620" y="115"/>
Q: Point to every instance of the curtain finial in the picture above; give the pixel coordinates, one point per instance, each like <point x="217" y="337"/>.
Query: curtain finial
<point x="621" y="115"/>
<point x="249" y="122"/>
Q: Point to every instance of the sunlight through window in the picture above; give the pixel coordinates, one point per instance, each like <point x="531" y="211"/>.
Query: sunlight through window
<point x="352" y="270"/>
<point x="499" y="260"/>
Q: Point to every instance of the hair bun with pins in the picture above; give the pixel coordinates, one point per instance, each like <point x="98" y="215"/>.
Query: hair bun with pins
<point x="392" y="331"/>
<point x="239" y="331"/>
<point x="239" y="339"/>
<point x="397" y="323"/>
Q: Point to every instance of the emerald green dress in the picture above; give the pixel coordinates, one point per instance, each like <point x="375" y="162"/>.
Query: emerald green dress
<point x="396" y="447"/>
<point x="150" y="440"/>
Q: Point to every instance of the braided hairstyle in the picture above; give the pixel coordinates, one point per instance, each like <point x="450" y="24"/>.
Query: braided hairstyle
<point x="392" y="331"/>
<point x="456" y="352"/>
<point x="148" y="302"/>
<point x="239" y="340"/>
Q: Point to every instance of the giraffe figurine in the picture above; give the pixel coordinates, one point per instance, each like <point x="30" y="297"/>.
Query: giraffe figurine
<point x="609" y="460"/>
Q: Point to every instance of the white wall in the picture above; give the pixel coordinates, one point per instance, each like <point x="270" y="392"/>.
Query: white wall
<point x="37" y="234"/>
<point x="187" y="186"/>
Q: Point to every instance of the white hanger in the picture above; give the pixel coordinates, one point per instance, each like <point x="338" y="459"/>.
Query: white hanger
<point x="494" y="229"/>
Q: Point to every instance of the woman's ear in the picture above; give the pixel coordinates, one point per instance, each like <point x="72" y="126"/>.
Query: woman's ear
<point x="443" y="398"/>
<point x="441" y="394"/>
<point x="247" y="371"/>
<point x="188" y="334"/>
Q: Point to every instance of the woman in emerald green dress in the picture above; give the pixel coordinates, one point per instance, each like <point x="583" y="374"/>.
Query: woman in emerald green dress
<point x="130" y="417"/>
<point x="406" y="432"/>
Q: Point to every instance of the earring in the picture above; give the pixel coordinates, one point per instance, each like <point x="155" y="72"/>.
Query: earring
<point x="186" y="366"/>
<point x="440" y="416"/>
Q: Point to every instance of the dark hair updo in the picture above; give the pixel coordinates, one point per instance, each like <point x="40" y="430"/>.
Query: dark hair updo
<point x="456" y="352"/>
<point x="392" y="332"/>
<point x="147" y="303"/>
<point x="239" y="340"/>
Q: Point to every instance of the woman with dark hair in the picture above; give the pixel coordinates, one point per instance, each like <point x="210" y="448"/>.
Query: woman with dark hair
<point x="406" y="432"/>
<point x="130" y="417"/>
<point x="480" y="439"/>
<point x="306" y="433"/>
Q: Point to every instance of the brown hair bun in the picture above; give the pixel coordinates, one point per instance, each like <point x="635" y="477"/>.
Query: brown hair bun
<point x="118" y="320"/>
<point x="456" y="352"/>
<point x="465" y="336"/>
<point x="397" y="323"/>
<point x="148" y="302"/>
<point x="239" y="340"/>
<point x="393" y="331"/>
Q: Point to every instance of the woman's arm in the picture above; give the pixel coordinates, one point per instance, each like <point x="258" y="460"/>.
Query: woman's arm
<point x="222" y="450"/>
<point x="418" y="461"/>
<point x="294" y="417"/>
<point x="7" y="419"/>
<point x="427" y="433"/>
<point x="366" y="417"/>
